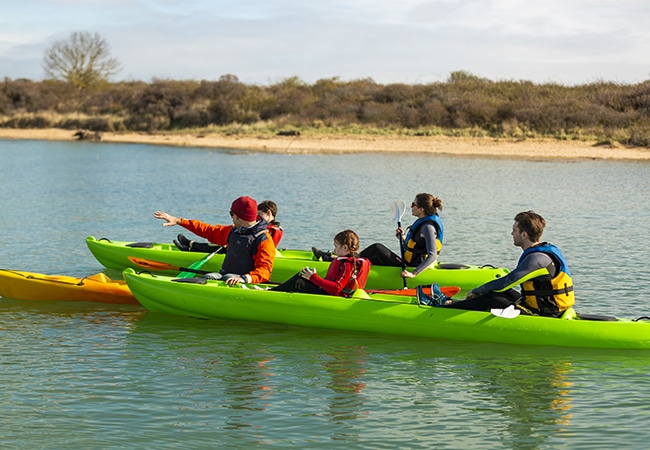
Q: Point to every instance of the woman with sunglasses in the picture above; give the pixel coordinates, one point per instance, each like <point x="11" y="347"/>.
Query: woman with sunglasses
<point x="420" y="245"/>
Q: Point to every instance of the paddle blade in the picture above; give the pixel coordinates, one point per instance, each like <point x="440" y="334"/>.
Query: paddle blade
<point x="397" y="209"/>
<point x="507" y="313"/>
<point x="449" y="291"/>
<point x="152" y="265"/>
<point x="193" y="268"/>
<point x="198" y="264"/>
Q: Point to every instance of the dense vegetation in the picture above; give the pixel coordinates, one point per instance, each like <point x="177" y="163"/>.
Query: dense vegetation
<point x="462" y="105"/>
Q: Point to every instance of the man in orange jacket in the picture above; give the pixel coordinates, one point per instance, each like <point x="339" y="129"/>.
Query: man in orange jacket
<point x="250" y="249"/>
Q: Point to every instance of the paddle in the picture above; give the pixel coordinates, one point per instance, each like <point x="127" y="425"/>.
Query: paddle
<point x="397" y="209"/>
<point x="449" y="291"/>
<point x="157" y="265"/>
<point x="198" y="264"/>
<point x="507" y="313"/>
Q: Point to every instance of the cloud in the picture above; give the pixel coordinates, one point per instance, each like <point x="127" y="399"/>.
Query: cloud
<point x="409" y="41"/>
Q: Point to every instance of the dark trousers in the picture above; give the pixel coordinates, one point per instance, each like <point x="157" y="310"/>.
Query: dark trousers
<point x="298" y="284"/>
<point x="380" y="255"/>
<point x="206" y="247"/>
<point x="488" y="301"/>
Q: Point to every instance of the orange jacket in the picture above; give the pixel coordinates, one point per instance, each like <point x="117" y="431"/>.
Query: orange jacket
<point x="218" y="234"/>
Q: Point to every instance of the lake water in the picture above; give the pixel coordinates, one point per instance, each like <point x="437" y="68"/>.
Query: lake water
<point x="102" y="376"/>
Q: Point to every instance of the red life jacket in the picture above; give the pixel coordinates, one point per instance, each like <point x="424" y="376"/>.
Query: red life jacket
<point x="276" y="232"/>
<point x="359" y="276"/>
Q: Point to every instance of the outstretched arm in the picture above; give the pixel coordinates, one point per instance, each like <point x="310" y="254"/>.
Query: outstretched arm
<point x="170" y="221"/>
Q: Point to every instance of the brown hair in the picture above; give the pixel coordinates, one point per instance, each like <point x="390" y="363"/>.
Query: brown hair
<point x="429" y="203"/>
<point x="532" y="223"/>
<point x="351" y="239"/>
<point x="268" y="206"/>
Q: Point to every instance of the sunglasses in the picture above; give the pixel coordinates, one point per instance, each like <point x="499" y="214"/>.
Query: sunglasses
<point x="414" y="204"/>
<point x="232" y="214"/>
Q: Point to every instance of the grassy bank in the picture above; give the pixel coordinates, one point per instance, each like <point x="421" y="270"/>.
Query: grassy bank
<point x="463" y="106"/>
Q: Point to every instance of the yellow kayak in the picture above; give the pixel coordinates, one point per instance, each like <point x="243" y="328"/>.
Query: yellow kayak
<point x="36" y="286"/>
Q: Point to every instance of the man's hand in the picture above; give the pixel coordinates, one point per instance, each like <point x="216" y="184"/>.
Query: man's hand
<point x="170" y="221"/>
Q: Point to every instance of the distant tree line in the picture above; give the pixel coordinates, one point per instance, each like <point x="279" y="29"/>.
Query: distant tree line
<point x="462" y="104"/>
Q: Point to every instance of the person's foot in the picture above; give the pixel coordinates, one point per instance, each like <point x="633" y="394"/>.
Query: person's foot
<point x="183" y="243"/>
<point x="437" y="297"/>
<point x="423" y="298"/>
<point x="319" y="254"/>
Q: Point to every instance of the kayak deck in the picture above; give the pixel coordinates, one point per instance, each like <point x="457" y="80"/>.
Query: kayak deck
<point x="99" y="288"/>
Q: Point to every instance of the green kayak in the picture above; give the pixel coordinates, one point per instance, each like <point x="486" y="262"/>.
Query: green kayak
<point x="115" y="255"/>
<point x="378" y="313"/>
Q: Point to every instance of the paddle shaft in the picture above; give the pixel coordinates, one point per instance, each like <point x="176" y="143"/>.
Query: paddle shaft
<point x="398" y="208"/>
<point x="401" y="250"/>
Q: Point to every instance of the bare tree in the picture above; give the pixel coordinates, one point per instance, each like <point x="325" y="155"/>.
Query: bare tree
<point x="84" y="59"/>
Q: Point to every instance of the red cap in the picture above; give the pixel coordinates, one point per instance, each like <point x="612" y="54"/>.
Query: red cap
<point x="245" y="208"/>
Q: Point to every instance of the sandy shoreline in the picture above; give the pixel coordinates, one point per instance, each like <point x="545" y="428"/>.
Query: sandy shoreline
<point x="460" y="146"/>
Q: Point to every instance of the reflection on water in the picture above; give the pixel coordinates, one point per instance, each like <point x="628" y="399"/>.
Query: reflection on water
<point x="345" y="368"/>
<point x="532" y="397"/>
<point x="153" y="376"/>
<point x="348" y="386"/>
<point x="98" y="376"/>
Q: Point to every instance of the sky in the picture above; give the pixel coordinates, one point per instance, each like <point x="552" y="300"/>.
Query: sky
<point x="263" y="42"/>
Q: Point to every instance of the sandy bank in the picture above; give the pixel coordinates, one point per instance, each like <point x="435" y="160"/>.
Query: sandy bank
<point x="461" y="146"/>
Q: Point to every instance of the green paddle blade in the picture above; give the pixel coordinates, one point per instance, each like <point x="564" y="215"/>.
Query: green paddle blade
<point x="196" y="265"/>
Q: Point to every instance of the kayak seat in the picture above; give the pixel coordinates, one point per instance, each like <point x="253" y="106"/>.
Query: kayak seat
<point x="140" y="245"/>
<point x="191" y="280"/>
<point x="571" y="314"/>
<point x="451" y="266"/>
<point x="597" y="317"/>
<point x="360" y="293"/>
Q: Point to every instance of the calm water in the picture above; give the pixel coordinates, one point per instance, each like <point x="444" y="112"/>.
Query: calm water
<point x="97" y="376"/>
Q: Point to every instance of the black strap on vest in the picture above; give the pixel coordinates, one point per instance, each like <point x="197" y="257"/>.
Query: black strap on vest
<point x="547" y="292"/>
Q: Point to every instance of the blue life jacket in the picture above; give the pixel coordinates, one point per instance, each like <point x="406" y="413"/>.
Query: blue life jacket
<point x="415" y="248"/>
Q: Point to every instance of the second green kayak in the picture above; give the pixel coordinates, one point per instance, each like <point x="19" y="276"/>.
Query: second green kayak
<point x="115" y="255"/>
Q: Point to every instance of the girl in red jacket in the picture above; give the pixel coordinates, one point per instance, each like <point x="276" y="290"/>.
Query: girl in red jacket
<point x="345" y="274"/>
